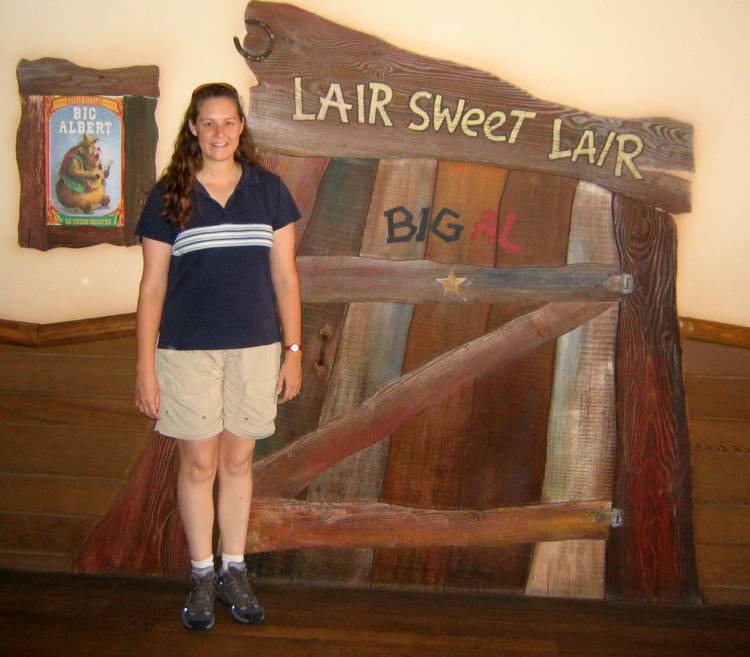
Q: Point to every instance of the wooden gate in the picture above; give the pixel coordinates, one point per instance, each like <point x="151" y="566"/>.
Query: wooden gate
<point x="492" y="360"/>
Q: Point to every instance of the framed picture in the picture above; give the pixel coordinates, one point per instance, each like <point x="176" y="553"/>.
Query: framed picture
<point x="91" y="135"/>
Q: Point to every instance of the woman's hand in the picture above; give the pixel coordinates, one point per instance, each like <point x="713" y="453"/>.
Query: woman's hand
<point x="147" y="394"/>
<point x="290" y="377"/>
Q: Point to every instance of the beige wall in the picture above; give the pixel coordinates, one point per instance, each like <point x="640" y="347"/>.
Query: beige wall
<point x="686" y="60"/>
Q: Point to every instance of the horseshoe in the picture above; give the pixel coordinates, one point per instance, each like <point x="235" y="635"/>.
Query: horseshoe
<point x="246" y="53"/>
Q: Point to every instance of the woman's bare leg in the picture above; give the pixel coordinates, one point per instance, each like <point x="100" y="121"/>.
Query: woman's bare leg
<point x="195" y="499"/>
<point x="235" y="491"/>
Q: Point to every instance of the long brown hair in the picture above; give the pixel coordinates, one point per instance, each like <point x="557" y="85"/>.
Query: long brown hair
<point x="178" y="178"/>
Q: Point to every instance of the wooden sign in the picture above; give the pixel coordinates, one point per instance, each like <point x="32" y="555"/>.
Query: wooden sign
<point x="86" y="147"/>
<point x="329" y="90"/>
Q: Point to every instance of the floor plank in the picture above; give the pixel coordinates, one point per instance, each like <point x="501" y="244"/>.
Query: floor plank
<point x="66" y="615"/>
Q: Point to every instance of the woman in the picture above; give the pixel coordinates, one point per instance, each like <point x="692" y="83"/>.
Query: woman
<point x="218" y="259"/>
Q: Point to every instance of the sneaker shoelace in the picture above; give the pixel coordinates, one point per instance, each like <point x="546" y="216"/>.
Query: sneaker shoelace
<point x="202" y="594"/>
<point x="239" y="588"/>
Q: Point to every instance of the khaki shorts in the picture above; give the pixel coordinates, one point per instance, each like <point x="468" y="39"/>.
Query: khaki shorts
<point x="204" y="392"/>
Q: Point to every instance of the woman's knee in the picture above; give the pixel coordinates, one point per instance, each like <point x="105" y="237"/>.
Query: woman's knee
<point x="236" y="457"/>
<point x="198" y="466"/>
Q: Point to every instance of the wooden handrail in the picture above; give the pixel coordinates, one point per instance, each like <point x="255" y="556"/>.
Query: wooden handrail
<point x="81" y="330"/>
<point x="28" y="334"/>
<point x="704" y="330"/>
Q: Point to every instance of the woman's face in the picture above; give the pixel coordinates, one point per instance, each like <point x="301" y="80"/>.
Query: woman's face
<point x="218" y="128"/>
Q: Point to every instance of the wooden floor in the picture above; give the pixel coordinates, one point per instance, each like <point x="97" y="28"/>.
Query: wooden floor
<point x="59" y="615"/>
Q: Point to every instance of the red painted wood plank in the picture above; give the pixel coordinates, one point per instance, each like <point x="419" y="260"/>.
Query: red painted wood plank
<point x="504" y="460"/>
<point x="425" y="458"/>
<point x="652" y="556"/>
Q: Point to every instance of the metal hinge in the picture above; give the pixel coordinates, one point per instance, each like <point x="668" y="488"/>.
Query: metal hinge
<point x="618" y="517"/>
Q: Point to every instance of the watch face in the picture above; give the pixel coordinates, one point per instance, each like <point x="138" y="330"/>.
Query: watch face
<point x="294" y="347"/>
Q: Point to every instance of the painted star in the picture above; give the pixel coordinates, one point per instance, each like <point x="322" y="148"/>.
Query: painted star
<point x="451" y="284"/>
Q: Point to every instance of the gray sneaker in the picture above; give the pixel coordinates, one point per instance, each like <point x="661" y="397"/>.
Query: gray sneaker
<point x="198" y="613"/>
<point x="235" y="592"/>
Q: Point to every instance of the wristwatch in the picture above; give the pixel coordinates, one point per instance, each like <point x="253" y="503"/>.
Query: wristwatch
<point x="293" y="347"/>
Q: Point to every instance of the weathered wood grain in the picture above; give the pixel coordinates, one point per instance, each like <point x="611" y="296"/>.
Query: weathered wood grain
<point x="56" y="534"/>
<point x="335" y="228"/>
<point x="335" y="279"/>
<point x="429" y="450"/>
<point x="724" y="565"/>
<point x="651" y="557"/>
<point x="111" y="348"/>
<point x="302" y="176"/>
<point x="72" y="411"/>
<point x="320" y="52"/>
<point x="30" y="158"/>
<point x="712" y="359"/>
<point x="721" y="477"/>
<point x="288" y="471"/>
<point x="718" y="397"/>
<point x="722" y="524"/>
<point x="33" y="373"/>
<point x="718" y="435"/>
<point x="142" y="533"/>
<point x="50" y="76"/>
<point x="141" y="137"/>
<point x="581" y="431"/>
<point x="370" y="355"/>
<point x="504" y="461"/>
<point x="285" y="524"/>
<point x="70" y="451"/>
<point x="54" y="494"/>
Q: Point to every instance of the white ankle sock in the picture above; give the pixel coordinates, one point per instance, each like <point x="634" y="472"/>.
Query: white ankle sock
<point x="204" y="565"/>
<point x="237" y="559"/>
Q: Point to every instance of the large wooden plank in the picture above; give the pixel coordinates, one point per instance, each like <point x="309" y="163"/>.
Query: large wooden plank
<point x="581" y="430"/>
<point x="60" y="77"/>
<point x="278" y="524"/>
<point x="331" y="279"/>
<point x="719" y="435"/>
<point x="40" y="494"/>
<point x="31" y="560"/>
<point x="721" y="477"/>
<point x="726" y="595"/>
<point x="43" y="533"/>
<point x="651" y="557"/>
<point x="72" y="411"/>
<point x="320" y="53"/>
<point x="38" y="373"/>
<point x="302" y="176"/>
<point x="31" y="224"/>
<point x="722" y="524"/>
<point x="504" y="461"/>
<point x="708" y="359"/>
<point x="724" y="565"/>
<point x="718" y="397"/>
<point x="426" y="456"/>
<point x="370" y="355"/>
<point x="70" y="451"/>
<point x="335" y="228"/>
<point x="142" y="533"/>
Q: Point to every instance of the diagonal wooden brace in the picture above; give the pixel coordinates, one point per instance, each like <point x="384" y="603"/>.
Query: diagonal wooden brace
<point x="286" y="472"/>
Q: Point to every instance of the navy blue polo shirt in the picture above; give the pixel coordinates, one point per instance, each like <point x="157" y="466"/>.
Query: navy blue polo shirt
<point x="219" y="290"/>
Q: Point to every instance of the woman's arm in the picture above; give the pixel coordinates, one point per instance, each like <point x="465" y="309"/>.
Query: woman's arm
<point x="153" y="288"/>
<point x="286" y="287"/>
